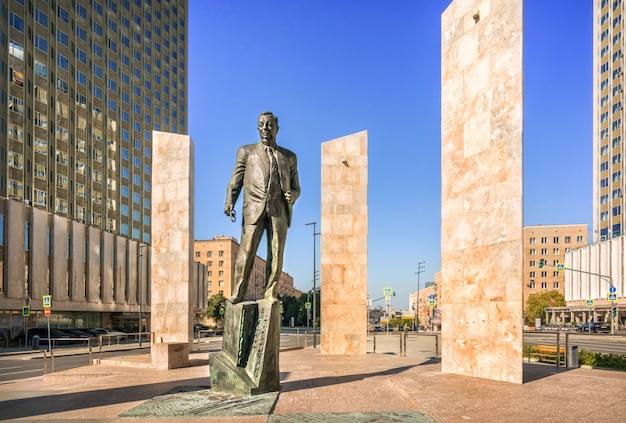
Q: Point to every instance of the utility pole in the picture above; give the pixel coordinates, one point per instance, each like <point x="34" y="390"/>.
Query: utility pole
<point x="314" y="279"/>
<point x="421" y="266"/>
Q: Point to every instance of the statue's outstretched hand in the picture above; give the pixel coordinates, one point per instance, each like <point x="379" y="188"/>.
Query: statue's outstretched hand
<point x="228" y="209"/>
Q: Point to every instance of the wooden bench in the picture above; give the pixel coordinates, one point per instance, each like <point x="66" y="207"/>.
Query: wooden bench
<point x="548" y="353"/>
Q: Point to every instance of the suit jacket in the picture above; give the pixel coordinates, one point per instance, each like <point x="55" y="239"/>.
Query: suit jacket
<point x="251" y="173"/>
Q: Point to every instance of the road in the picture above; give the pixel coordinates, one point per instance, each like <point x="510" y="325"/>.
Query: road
<point x="31" y="364"/>
<point x="602" y="343"/>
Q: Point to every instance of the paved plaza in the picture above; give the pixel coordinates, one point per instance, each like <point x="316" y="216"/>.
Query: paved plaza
<point x="377" y="387"/>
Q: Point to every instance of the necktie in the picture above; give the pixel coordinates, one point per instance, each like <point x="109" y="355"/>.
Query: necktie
<point x="273" y="167"/>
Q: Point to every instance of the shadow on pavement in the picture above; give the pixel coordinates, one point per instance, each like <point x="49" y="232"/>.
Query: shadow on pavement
<point x="296" y="385"/>
<point x="536" y="371"/>
<point x="46" y="404"/>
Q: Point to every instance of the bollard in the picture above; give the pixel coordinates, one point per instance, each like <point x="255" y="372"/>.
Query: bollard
<point x="558" y="349"/>
<point x="437" y="345"/>
<point x="45" y="362"/>
<point x="401" y="350"/>
<point x="404" y="334"/>
<point x="90" y="357"/>
<point x="374" y="342"/>
<point x="51" y="361"/>
<point x="297" y="337"/>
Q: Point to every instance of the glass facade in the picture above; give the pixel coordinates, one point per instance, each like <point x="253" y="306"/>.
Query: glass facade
<point x="87" y="83"/>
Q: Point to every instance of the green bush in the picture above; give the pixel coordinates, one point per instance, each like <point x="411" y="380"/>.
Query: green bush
<point x="610" y="361"/>
<point x="589" y="358"/>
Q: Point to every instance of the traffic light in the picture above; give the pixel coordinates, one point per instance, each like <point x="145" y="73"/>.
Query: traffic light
<point x="541" y="263"/>
<point x="614" y="310"/>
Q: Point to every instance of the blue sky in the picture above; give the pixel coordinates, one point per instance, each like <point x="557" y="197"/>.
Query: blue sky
<point x="332" y="68"/>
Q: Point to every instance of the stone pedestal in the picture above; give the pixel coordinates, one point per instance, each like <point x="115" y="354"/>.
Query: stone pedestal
<point x="170" y="355"/>
<point x="248" y="363"/>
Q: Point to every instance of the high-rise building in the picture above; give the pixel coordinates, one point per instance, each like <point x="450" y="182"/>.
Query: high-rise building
<point x="548" y="243"/>
<point x="219" y="255"/>
<point x="608" y="120"/>
<point x="83" y="85"/>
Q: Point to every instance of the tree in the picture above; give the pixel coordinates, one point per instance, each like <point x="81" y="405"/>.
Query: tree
<point x="536" y="304"/>
<point x="215" y="308"/>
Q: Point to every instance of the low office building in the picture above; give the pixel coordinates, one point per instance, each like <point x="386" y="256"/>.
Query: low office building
<point x="219" y="255"/>
<point x="549" y="243"/>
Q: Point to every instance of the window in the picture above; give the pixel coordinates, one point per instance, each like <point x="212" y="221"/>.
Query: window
<point x="532" y="274"/>
<point x="209" y="263"/>
<point x="555" y="240"/>
<point x="533" y="252"/>
<point x="63" y="14"/>
<point x="556" y="274"/>
<point x="617" y="193"/>
<point x="221" y="283"/>
<point x="544" y="285"/>
<point x="604" y="199"/>
<point x="617" y="210"/>
<point x="221" y="263"/>
<point x="81" y="55"/>
<point x="62" y="38"/>
<point x="221" y="273"/>
<point x="556" y="251"/>
<point x="544" y="240"/>
<point x="41" y="43"/>
<point x="197" y="254"/>
<point x="62" y="62"/>
<point x="568" y="239"/>
<point x="531" y="285"/>
<point x="555" y="285"/>
<point x="533" y="241"/>
<point x="220" y="253"/>
<point x="544" y="274"/>
<point x="579" y="238"/>
<point x="16" y="22"/>
<point x="41" y="18"/>
<point x="209" y="253"/>
<point x="617" y="158"/>
<point x="81" y="33"/>
<point x="544" y="251"/>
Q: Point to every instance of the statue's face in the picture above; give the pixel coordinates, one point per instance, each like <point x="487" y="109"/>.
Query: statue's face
<point x="267" y="129"/>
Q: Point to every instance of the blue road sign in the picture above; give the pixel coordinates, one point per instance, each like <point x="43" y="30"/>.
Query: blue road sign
<point x="25" y="311"/>
<point x="388" y="292"/>
<point x="47" y="301"/>
<point x="613" y="297"/>
<point x="612" y="289"/>
<point x="431" y="296"/>
<point x="589" y="303"/>
<point x="560" y="267"/>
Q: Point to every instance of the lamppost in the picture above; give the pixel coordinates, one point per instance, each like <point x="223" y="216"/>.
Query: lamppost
<point x="314" y="277"/>
<point x="139" y="286"/>
<point x="421" y="266"/>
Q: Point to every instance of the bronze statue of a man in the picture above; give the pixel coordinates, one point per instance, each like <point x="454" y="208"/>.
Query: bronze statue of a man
<point x="268" y="175"/>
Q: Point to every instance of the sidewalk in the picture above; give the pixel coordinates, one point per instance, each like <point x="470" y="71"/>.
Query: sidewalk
<point x="382" y="387"/>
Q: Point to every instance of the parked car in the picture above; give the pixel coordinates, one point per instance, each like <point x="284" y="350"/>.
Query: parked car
<point x="113" y="335"/>
<point x="595" y="327"/>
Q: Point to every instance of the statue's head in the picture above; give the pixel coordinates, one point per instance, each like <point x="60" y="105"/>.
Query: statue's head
<point x="268" y="128"/>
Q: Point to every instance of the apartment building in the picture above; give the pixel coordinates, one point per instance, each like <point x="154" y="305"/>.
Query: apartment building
<point x="219" y="255"/>
<point x="548" y="243"/>
<point x="84" y="84"/>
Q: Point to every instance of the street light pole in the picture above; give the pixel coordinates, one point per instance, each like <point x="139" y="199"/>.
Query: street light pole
<point x="314" y="287"/>
<point x="421" y="266"/>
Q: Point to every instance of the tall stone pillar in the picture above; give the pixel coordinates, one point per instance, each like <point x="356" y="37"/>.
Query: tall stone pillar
<point x="344" y="245"/>
<point x="481" y="192"/>
<point x="171" y="317"/>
